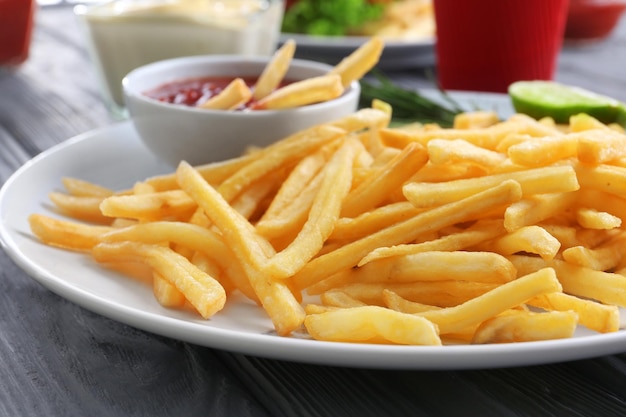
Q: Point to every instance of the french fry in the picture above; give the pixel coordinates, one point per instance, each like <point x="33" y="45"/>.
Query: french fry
<point x="436" y="293"/>
<point x="530" y="239"/>
<point x="602" y="201"/>
<point x="372" y="193"/>
<point x="598" y="146"/>
<point x="382" y="106"/>
<point x="606" y="287"/>
<point x="359" y="62"/>
<point x="238" y="233"/>
<point x="276" y="297"/>
<point x="479" y="232"/>
<point x="190" y="236"/>
<point x="486" y="267"/>
<point x="235" y="94"/>
<point x="606" y="178"/>
<point x="278" y="156"/>
<point x="318" y="308"/>
<point x="493" y="302"/>
<point x="372" y="324"/>
<point x="524" y="326"/>
<point x="322" y="216"/>
<point x="593" y="315"/>
<point x="475" y="119"/>
<point x="463" y="210"/>
<point x="537" y="208"/>
<point x="488" y="138"/>
<point x="340" y="299"/>
<point x="142" y="187"/>
<point x="447" y="172"/>
<point x="166" y="293"/>
<point x="201" y="290"/>
<point x="373" y="220"/>
<point x="594" y="219"/>
<point x="82" y="188"/>
<point x="85" y="208"/>
<point x="66" y="234"/>
<point x="604" y="257"/>
<point x="214" y="173"/>
<point x="442" y="151"/>
<point x="174" y="204"/>
<point x="250" y="203"/>
<point x="301" y="93"/>
<point x="543" y="151"/>
<point x="582" y="121"/>
<point x="363" y="119"/>
<point x="557" y="179"/>
<point x="275" y="70"/>
<point x="285" y="226"/>
<point x="302" y="174"/>
<point x="397" y="303"/>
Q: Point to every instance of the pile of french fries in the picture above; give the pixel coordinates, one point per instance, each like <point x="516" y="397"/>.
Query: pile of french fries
<point x="403" y="20"/>
<point x="492" y="231"/>
<point x="268" y="94"/>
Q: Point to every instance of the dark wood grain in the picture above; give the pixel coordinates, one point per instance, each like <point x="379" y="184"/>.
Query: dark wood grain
<point x="58" y="359"/>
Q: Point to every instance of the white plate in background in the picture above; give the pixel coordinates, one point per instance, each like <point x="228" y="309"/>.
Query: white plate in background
<point x="332" y="49"/>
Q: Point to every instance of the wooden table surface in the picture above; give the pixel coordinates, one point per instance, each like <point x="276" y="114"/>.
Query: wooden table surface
<point x="58" y="359"/>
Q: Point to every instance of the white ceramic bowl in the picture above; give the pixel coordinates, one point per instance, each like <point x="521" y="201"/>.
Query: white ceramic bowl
<point x="178" y="132"/>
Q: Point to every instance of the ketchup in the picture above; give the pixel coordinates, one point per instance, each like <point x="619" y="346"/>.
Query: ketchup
<point x="195" y="91"/>
<point x="16" y="23"/>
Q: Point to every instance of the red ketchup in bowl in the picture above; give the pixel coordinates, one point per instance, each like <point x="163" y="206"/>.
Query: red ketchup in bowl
<point x="194" y="91"/>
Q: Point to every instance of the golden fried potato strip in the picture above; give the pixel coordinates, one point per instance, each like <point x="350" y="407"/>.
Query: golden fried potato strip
<point x="606" y="287"/>
<point x="525" y="326"/>
<point x="274" y="72"/>
<point x="446" y="215"/>
<point x="322" y="216"/>
<point x="164" y="205"/>
<point x="554" y="179"/>
<point x="65" y="233"/>
<point x="234" y="95"/>
<point x="494" y="302"/>
<point x="82" y="188"/>
<point x="250" y="249"/>
<point x="85" y="208"/>
<point x="203" y="291"/>
<point x="190" y="236"/>
<point x="360" y="61"/>
<point x="372" y="324"/>
<point x="302" y="93"/>
<point x="593" y="315"/>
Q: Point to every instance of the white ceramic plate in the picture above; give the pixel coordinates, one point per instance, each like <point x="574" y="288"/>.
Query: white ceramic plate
<point x="396" y="55"/>
<point x="115" y="157"/>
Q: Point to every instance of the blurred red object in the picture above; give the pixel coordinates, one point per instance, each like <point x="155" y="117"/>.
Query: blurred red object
<point x="592" y="19"/>
<point x="16" y="24"/>
<point x="486" y="45"/>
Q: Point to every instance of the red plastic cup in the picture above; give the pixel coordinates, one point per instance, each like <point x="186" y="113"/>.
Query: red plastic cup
<point x="16" y="23"/>
<point x="485" y="45"/>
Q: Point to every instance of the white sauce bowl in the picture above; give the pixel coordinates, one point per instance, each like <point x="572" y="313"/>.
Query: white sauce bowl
<point x="177" y="132"/>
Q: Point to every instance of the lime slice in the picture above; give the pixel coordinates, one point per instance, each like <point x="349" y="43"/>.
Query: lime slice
<point x="550" y="99"/>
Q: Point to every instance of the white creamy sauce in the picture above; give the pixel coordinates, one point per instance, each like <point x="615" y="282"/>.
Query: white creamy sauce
<point x="127" y="34"/>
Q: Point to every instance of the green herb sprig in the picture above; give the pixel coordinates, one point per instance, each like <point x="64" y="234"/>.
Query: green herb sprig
<point x="409" y="105"/>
